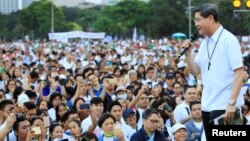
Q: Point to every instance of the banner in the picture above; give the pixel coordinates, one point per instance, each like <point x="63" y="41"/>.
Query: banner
<point x="64" y="36"/>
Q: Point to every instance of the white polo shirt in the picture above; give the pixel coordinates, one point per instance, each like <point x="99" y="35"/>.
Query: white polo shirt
<point x="218" y="80"/>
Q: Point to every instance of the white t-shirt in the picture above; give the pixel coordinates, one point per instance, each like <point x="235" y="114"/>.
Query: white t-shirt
<point x="11" y="134"/>
<point x="52" y="114"/>
<point x="86" y="123"/>
<point x="181" y="112"/>
<point x="139" y="123"/>
<point x="218" y="80"/>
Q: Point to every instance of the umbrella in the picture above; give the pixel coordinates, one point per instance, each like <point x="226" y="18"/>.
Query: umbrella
<point x="178" y="35"/>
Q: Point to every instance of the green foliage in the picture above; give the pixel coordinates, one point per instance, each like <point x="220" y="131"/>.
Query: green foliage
<point x="36" y="19"/>
<point x="165" y="19"/>
<point x="121" y="18"/>
<point x="74" y="26"/>
<point x="157" y="18"/>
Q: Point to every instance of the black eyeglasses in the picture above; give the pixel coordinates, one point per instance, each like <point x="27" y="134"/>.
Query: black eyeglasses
<point x="153" y="121"/>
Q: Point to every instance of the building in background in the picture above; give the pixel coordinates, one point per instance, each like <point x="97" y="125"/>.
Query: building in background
<point x="8" y="6"/>
<point x="26" y="3"/>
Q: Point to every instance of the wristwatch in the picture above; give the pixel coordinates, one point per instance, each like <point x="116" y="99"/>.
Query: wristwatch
<point x="232" y="102"/>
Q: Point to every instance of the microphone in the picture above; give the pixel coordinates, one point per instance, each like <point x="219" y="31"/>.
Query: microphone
<point x="192" y="38"/>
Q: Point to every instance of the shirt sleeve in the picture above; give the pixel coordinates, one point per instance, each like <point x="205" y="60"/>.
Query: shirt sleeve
<point x="233" y="50"/>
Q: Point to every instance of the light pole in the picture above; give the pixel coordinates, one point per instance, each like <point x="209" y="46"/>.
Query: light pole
<point x="52" y="16"/>
<point x="189" y="19"/>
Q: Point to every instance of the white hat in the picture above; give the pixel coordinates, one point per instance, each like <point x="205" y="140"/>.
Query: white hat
<point x="120" y="88"/>
<point x="132" y="71"/>
<point x="177" y="127"/>
<point x="22" y="98"/>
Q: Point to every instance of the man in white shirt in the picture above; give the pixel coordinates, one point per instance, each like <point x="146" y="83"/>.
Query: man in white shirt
<point x="96" y="109"/>
<point x="219" y="62"/>
<point x="182" y="111"/>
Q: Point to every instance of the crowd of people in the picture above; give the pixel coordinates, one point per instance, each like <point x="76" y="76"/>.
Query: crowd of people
<point x="116" y="91"/>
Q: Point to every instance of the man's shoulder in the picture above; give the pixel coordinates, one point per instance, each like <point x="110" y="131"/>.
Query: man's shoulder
<point x="87" y="120"/>
<point x="135" y="136"/>
<point x="189" y="123"/>
<point x="139" y="135"/>
<point x="181" y="106"/>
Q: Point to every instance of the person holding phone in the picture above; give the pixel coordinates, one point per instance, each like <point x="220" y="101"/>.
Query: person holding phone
<point x="37" y="126"/>
<point x="90" y="123"/>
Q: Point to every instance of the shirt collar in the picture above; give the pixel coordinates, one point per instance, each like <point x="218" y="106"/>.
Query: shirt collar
<point x="216" y="34"/>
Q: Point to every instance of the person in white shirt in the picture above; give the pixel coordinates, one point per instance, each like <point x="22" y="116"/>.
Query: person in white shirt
<point x="195" y="125"/>
<point x="96" y="109"/>
<point x="182" y="111"/>
<point x="220" y="64"/>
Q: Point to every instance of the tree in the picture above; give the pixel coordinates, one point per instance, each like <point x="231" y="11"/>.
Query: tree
<point x="167" y="17"/>
<point x="122" y="18"/>
<point x="36" y="19"/>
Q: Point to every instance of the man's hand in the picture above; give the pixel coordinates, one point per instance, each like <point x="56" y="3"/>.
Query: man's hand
<point x="229" y="114"/>
<point x="11" y="120"/>
<point x="187" y="44"/>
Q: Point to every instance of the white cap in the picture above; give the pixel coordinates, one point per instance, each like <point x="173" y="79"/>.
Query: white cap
<point x="22" y="98"/>
<point x="132" y="71"/>
<point x="120" y="88"/>
<point x="177" y="127"/>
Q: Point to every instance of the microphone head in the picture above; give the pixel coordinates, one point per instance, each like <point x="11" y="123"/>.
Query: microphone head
<point x="193" y="36"/>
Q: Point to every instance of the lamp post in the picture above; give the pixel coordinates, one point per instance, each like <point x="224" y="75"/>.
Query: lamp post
<point x="52" y="16"/>
<point x="189" y="19"/>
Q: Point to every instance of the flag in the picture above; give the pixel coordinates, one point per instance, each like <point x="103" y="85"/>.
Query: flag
<point x="134" y="35"/>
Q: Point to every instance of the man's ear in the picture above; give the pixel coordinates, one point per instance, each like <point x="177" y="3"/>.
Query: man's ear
<point x="143" y="120"/>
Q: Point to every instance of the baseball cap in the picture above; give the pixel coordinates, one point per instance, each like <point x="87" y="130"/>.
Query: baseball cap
<point x="126" y="112"/>
<point x="177" y="127"/>
<point x="120" y="88"/>
<point x="170" y="75"/>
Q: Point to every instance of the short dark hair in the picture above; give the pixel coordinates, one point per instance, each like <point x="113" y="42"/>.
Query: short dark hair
<point x="3" y="104"/>
<point x="90" y="75"/>
<point x="29" y="105"/>
<point x="16" y="124"/>
<point x="88" y="136"/>
<point x="112" y="104"/>
<point x="103" y="117"/>
<point x="34" y="74"/>
<point x="53" y="126"/>
<point x="110" y="76"/>
<point x="148" y="112"/>
<point x="186" y="87"/>
<point x="150" y="68"/>
<point x="81" y="75"/>
<point x="77" y="122"/>
<point x="33" y="119"/>
<point x="87" y="70"/>
<point x="67" y="114"/>
<point x="207" y="10"/>
<point x="30" y="94"/>
<point x="96" y="100"/>
<point x="192" y="103"/>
